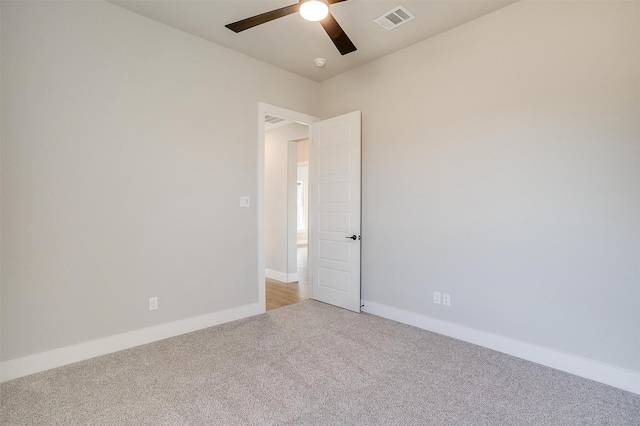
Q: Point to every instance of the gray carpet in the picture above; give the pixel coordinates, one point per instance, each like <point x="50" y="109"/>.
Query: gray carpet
<point x="300" y="365"/>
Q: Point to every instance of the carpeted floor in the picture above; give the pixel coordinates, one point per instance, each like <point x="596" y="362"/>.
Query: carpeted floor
<point x="309" y="364"/>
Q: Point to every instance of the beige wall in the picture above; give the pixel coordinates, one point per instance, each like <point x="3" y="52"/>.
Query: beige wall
<point x="126" y="146"/>
<point x="303" y="151"/>
<point x="501" y="164"/>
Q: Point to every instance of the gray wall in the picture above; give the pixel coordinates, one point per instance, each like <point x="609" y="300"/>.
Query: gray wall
<point x="126" y="146"/>
<point x="501" y="164"/>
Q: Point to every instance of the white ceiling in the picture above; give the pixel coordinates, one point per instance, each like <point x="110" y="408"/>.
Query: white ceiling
<point x="293" y="43"/>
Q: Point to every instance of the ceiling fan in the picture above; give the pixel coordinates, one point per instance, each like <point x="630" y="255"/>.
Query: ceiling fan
<point x="311" y="10"/>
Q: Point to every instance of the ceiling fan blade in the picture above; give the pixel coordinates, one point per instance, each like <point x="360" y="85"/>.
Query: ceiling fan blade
<point x="335" y="1"/>
<point x="337" y="35"/>
<point x="247" y="23"/>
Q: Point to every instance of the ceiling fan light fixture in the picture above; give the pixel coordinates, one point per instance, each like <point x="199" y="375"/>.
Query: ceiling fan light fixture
<point x="314" y="10"/>
<point x="308" y="9"/>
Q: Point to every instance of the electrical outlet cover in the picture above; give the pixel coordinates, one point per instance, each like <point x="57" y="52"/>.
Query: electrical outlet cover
<point x="446" y="299"/>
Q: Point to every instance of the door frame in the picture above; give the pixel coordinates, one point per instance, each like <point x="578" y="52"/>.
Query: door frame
<point x="264" y="108"/>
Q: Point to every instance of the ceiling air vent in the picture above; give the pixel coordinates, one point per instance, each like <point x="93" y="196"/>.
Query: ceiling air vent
<point x="394" y="18"/>
<point x="273" y="120"/>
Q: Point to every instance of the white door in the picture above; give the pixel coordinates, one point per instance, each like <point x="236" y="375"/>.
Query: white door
<point x="334" y="210"/>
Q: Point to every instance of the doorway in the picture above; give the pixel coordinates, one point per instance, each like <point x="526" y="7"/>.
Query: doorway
<point x="283" y="276"/>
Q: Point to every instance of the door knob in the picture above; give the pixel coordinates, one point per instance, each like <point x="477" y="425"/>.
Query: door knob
<point x="353" y="237"/>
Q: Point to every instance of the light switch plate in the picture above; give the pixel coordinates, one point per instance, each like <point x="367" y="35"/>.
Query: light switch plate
<point x="245" y="201"/>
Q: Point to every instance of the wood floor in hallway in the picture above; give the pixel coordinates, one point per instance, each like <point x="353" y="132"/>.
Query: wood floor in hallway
<point x="281" y="294"/>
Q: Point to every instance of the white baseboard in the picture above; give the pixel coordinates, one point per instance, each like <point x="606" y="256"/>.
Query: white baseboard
<point x="280" y="276"/>
<point x="31" y="364"/>
<point x="587" y="368"/>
